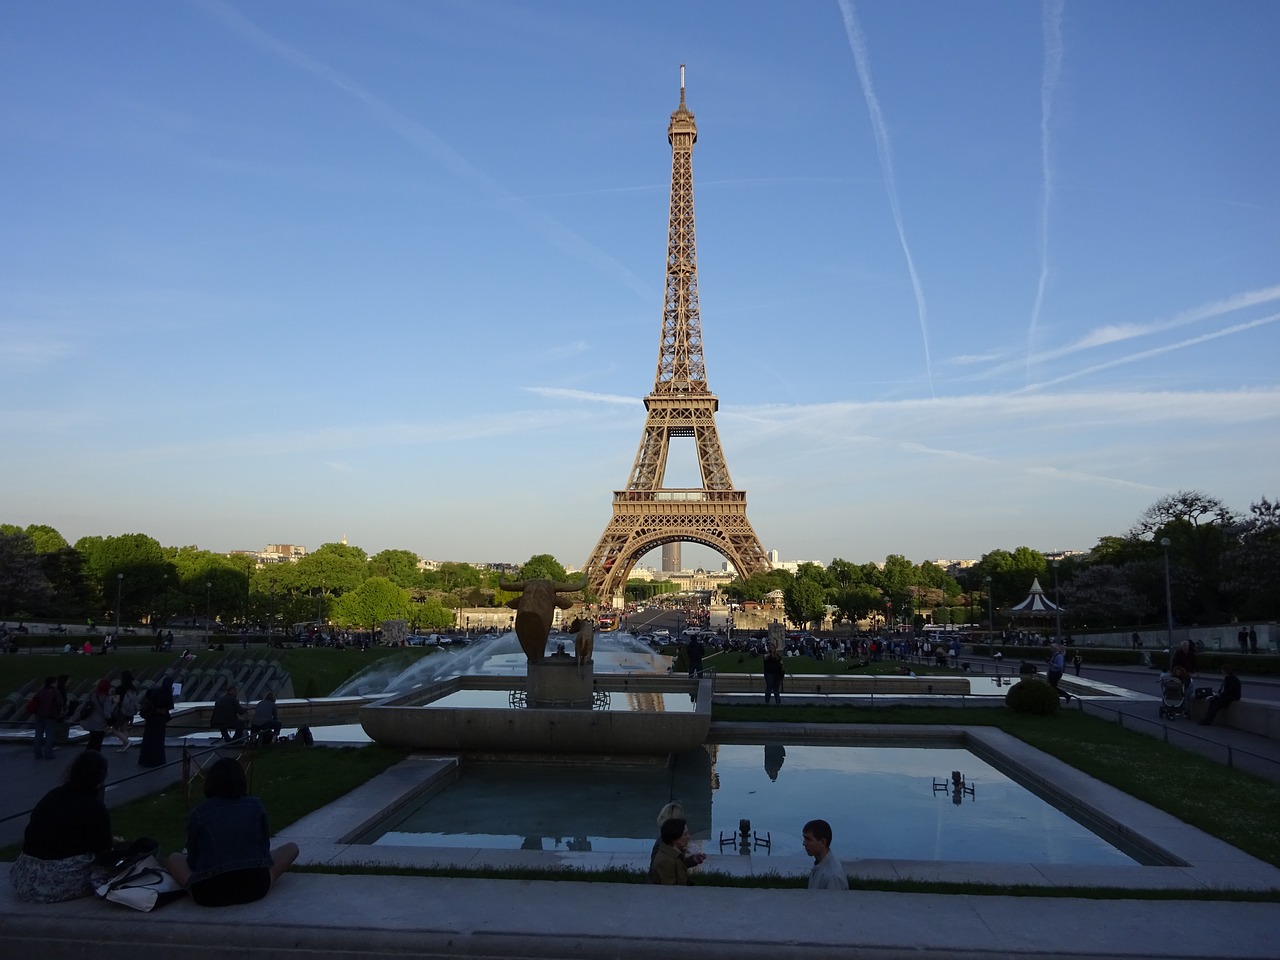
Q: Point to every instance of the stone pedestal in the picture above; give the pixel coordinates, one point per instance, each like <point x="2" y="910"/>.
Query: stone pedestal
<point x="556" y="683"/>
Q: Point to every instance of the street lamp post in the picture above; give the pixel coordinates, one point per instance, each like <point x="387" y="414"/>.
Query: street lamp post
<point x="1057" y="612"/>
<point x="1168" y="601"/>
<point x="991" y="615"/>
<point x="208" y="608"/>
<point x="119" y="585"/>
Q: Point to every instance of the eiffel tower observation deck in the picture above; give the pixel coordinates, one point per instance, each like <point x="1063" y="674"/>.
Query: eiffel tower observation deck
<point x="647" y="515"/>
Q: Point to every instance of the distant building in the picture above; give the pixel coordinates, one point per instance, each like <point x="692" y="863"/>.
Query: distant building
<point x="671" y="557"/>
<point x="290" y="552"/>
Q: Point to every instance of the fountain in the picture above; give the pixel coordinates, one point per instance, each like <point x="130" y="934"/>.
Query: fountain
<point x="559" y="706"/>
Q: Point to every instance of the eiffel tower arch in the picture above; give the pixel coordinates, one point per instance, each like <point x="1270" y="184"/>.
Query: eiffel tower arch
<point x="647" y="515"/>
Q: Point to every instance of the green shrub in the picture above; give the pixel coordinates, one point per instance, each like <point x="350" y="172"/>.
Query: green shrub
<point x="1032" y="695"/>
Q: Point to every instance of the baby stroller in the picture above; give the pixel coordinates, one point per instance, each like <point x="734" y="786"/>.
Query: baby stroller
<point x="1172" y="697"/>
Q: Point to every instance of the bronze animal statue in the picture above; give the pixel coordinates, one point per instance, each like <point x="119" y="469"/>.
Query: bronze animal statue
<point x="584" y="642"/>
<point x="535" y="609"/>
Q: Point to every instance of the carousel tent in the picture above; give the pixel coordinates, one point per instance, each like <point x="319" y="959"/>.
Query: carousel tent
<point x="1036" y="604"/>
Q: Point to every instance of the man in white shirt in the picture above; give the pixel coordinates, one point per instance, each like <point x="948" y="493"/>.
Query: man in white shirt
<point x="828" y="872"/>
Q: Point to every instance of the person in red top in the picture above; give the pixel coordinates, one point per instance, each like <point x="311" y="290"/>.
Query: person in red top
<point x="49" y="707"/>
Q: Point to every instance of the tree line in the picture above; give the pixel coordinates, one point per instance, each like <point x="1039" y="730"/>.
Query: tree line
<point x="1221" y="566"/>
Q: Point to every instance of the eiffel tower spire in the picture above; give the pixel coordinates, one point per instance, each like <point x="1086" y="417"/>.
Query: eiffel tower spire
<point x="647" y="515"/>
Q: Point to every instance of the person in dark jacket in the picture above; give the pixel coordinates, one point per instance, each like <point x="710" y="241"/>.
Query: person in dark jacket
<point x="1228" y="693"/>
<point x="773" y="676"/>
<point x="68" y="828"/>
<point x="156" y="704"/>
<point x="229" y="859"/>
<point x="49" y="708"/>
<point x="228" y="715"/>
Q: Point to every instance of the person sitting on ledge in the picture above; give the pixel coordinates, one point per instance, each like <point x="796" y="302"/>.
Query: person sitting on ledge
<point x="229" y="859"/>
<point x="68" y="828"/>
<point x="1228" y="693"/>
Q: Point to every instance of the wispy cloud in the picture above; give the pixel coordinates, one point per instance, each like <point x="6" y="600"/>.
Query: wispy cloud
<point x="1051" y="26"/>
<point x="426" y="140"/>
<point x="1157" y="351"/>
<point x="566" y="393"/>
<point x="326" y="442"/>
<point x="564" y="351"/>
<point x="1121" y="332"/>
<point x="861" y="60"/>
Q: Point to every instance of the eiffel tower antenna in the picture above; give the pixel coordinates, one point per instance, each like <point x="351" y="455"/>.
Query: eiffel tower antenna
<point x="646" y="514"/>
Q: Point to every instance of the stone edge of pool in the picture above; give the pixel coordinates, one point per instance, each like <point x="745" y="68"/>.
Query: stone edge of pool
<point x="325" y="835"/>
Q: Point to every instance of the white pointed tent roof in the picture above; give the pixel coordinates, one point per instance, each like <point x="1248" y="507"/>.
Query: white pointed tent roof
<point x="1036" y="604"/>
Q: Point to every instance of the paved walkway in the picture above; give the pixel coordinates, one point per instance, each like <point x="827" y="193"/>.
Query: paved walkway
<point x="336" y="916"/>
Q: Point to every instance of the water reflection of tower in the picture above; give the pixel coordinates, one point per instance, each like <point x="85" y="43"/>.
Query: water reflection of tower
<point x="641" y="702"/>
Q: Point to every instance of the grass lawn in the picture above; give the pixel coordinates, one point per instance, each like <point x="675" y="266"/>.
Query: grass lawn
<point x="291" y="782"/>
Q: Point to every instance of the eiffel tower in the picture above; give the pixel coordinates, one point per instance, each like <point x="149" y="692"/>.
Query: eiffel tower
<point x="647" y="515"/>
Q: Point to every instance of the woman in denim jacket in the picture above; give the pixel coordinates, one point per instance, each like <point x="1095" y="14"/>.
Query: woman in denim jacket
<point x="229" y="859"/>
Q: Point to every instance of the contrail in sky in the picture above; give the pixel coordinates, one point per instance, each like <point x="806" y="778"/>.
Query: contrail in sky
<point x="426" y="140"/>
<point x="859" y="47"/>
<point x="1155" y="351"/>
<point x="1051" y="17"/>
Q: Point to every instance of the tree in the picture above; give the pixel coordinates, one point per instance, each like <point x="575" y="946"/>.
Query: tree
<point x="398" y="566"/>
<point x="1252" y="567"/>
<point x="74" y="597"/>
<point x="805" y="601"/>
<point x="1104" y="595"/>
<point x="24" y="588"/>
<point x="333" y="568"/>
<point x="146" y="572"/>
<point x="858" y="601"/>
<point x="543" y="566"/>
<point x="373" y="601"/>
<point x="1200" y="530"/>
<point x="46" y="539"/>
<point x="453" y="576"/>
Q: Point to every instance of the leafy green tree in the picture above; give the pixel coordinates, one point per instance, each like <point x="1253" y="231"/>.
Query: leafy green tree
<point x="1201" y="529"/>
<point x="858" y="601"/>
<point x="453" y="576"/>
<point x="74" y="597"/>
<point x="398" y="566"/>
<point x="333" y="568"/>
<point x="146" y="572"/>
<point x="756" y="586"/>
<point x="428" y="612"/>
<point x="543" y="566"/>
<point x="844" y="574"/>
<point x="371" y="602"/>
<point x="24" y="588"/>
<point x="46" y="539"/>
<point x="1252" y="567"/>
<point x="805" y="600"/>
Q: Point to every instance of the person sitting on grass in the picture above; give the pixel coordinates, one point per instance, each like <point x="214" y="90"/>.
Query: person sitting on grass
<point x="229" y="859"/>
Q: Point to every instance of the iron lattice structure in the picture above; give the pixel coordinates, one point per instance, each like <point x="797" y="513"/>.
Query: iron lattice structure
<point x="647" y="515"/>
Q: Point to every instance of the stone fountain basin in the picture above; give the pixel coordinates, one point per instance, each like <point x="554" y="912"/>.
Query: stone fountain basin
<point x="410" y="720"/>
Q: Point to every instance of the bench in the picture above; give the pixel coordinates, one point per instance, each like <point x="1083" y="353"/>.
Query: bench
<point x="1252" y="716"/>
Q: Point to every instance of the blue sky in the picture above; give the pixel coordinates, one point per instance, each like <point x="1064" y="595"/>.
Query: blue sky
<point x="972" y="275"/>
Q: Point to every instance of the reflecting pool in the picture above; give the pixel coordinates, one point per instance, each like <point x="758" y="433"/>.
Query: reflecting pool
<point x="892" y="803"/>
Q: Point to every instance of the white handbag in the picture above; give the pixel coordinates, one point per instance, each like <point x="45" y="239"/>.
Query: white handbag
<point x="143" y="885"/>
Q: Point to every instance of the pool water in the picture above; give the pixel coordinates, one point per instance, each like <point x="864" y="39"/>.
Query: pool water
<point x="880" y="801"/>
